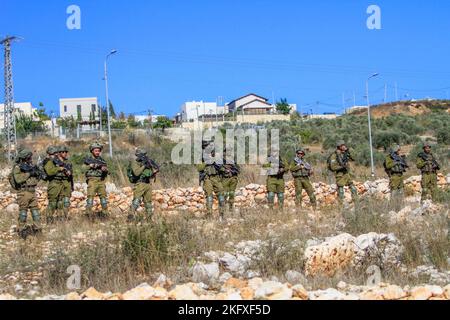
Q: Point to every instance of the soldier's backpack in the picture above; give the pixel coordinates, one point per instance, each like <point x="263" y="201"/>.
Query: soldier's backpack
<point x="12" y="181"/>
<point x="131" y="177"/>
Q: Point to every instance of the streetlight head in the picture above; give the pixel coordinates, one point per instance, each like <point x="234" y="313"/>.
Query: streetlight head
<point x="113" y="51"/>
<point x="374" y="75"/>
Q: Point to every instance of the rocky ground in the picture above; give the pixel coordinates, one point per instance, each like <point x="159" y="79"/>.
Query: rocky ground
<point x="367" y="252"/>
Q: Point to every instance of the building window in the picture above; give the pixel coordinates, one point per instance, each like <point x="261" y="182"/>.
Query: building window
<point x="65" y="108"/>
<point x="93" y="108"/>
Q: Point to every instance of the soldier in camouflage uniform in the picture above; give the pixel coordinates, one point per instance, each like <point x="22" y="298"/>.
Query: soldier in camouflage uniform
<point x="396" y="166"/>
<point x="428" y="165"/>
<point x="26" y="177"/>
<point x="142" y="191"/>
<point x="302" y="171"/>
<point x="276" y="185"/>
<point x="96" y="171"/>
<point x="60" y="176"/>
<point x="230" y="179"/>
<point x="211" y="175"/>
<point x="339" y="163"/>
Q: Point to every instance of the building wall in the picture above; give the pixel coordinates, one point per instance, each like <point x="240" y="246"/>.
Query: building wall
<point x="69" y="108"/>
<point x="189" y="110"/>
<point x="235" y="105"/>
<point x="254" y="119"/>
<point x="25" y="108"/>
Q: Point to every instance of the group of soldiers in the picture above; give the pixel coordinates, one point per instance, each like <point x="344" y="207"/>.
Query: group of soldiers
<point x="221" y="179"/>
<point x="218" y="178"/>
<point x="57" y="170"/>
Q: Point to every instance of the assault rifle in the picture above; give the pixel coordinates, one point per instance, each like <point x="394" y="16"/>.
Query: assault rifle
<point x="150" y="164"/>
<point x="98" y="163"/>
<point x="429" y="158"/>
<point x="232" y="169"/>
<point x="31" y="169"/>
<point x="300" y="162"/>
<point x="345" y="159"/>
<point x="67" y="170"/>
<point x="400" y="160"/>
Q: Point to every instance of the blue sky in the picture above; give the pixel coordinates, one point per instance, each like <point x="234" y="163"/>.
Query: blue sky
<point x="310" y="52"/>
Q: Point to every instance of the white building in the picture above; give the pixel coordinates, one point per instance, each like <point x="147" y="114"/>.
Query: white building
<point x="192" y="111"/>
<point x="79" y="108"/>
<point x="143" y="118"/>
<point x="251" y="104"/>
<point x="20" y="108"/>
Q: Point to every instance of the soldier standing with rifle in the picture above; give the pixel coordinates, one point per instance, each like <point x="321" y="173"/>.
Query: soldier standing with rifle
<point x="395" y="166"/>
<point x="428" y="165"/>
<point x="141" y="172"/>
<point x="210" y="174"/>
<point x="339" y="164"/>
<point x="230" y="179"/>
<point x="302" y="171"/>
<point x="276" y="185"/>
<point x="60" y="187"/>
<point x="24" y="179"/>
<point x="96" y="172"/>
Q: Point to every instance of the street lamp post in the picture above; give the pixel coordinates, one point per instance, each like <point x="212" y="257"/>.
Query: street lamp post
<point x="372" y="162"/>
<point x="107" y="102"/>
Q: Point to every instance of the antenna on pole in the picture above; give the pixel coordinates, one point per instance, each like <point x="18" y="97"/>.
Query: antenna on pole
<point x="9" y="118"/>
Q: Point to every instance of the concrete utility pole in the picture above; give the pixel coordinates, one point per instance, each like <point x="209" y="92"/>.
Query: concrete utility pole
<point x="107" y="102"/>
<point x="372" y="162"/>
<point x="9" y="117"/>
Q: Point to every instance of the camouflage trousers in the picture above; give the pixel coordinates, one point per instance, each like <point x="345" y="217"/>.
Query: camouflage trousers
<point x="429" y="186"/>
<point x="304" y="183"/>
<point x="229" y="187"/>
<point x="59" y="193"/>
<point x="396" y="185"/>
<point x="142" y="192"/>
<point x="275" y="186"/>
<point x="96" y="187"/>
<point x="345" y="180"/>
<point x="213" y="186"/>
<point x="27" y="201"/>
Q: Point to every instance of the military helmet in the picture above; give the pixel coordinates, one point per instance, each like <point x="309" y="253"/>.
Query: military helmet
<point x="52" y="150"/>
<point x="395" y="148"/>
<point x="340" y="143"/>
<point x="140" y="152"/>
<point x="96" y="145"/>
<point x="63" y="149"/>
<point x="301" y="150"/>
<point x="427" y="145"/>
<point x="24" y="154"/>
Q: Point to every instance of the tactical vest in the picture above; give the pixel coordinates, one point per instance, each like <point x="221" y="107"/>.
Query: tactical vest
<point x="210" y="170"/>
<point x="428" y="168"/>
<point x="95" y="173"/>
<point x="302" y="173"/>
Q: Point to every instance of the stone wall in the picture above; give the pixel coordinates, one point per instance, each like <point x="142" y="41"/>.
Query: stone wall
<point x="193" y="200"/>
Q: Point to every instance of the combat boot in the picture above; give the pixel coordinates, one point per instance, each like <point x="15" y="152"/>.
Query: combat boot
<point x="23" y="228"/>
<point x="281" y="201"/>
<point x="36" y="227"/>
<point x="134" y="208"/>
<point x="271" y="200"/>
<point x="104" y="214"/>
<point x="209" y="207"/>
<point x="149" y="211"/>
<point x="89" y="207"/>
<point x="51" y="211"/>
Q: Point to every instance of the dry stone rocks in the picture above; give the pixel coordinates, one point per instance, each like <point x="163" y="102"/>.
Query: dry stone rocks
<point x="344" y="250"/>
